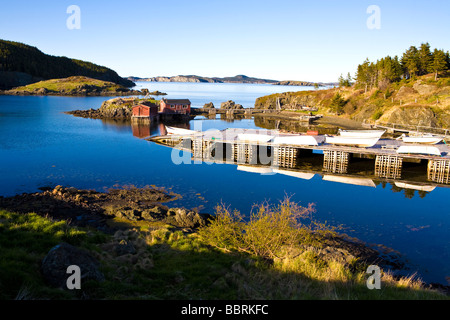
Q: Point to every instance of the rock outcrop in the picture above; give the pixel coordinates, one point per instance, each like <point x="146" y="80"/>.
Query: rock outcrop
<point x="59" y="258"/>
<point x="230" y="104"/>
<point x="208" y="105"/>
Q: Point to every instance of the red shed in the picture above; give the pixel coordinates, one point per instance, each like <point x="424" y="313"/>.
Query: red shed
<point x="145" y="111"/>
<point x="181" y="106"/>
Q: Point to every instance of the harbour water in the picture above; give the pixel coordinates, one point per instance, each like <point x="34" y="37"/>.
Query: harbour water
<point x="41" y="146"/>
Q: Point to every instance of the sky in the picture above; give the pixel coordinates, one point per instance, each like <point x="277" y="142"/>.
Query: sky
<point x="281" y="40"/>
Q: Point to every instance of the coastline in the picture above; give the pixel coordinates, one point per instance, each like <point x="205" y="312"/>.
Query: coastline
<point x="130" y="209"/>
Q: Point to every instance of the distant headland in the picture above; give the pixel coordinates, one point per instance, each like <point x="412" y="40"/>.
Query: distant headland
<point x="236" y="79"/>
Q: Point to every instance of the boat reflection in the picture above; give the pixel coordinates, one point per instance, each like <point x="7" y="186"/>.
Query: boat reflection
<point x="304" y="164"/>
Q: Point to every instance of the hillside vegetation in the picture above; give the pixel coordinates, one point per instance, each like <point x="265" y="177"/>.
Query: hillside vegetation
<point x="411" y="91"/>
<point x="272" y="256"/>
<point x="21" y="64"/>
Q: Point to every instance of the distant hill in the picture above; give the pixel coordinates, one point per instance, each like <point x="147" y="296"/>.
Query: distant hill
<point x="236" y="79"/>
<point x="198" y="79"/>
<point x="21" y="64"/>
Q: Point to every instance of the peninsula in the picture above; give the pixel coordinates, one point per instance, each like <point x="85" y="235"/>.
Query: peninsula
<point x="73" y="86"/>
<point x="21" y="65"/>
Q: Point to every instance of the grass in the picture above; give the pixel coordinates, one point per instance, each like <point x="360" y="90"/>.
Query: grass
<point x="171" y="264"/>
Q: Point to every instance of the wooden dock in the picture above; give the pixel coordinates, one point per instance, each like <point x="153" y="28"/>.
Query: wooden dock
<point x="225" y="144"/>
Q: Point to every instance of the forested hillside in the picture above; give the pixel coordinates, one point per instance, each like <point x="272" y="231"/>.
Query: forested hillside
<point x="21" y="64"/>
<point x="413" y="90"/>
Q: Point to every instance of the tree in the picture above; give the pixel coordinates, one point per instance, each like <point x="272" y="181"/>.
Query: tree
<point x="425" y="58"/>
<point x="337" y="103"/>
<point x="439" y="62"/>
<point x="349" y="80"/>
<point x="345" y="82"/>
<point x="410" y="60"/>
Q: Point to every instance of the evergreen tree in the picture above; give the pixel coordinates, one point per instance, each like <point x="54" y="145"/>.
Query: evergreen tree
<point x="439" y="62"/>
<point x="425" y="58"/>
<point x="410" y="60"/>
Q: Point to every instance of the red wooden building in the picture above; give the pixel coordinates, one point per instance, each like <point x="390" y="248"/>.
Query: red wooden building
<point x="180" y="106"/>
<point x="145" y="111"/>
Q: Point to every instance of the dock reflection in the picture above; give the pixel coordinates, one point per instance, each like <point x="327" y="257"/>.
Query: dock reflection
<point x="351" y="169"/>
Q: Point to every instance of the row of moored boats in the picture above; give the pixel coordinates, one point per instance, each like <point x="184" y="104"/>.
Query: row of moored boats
<point x="414" y="144"/>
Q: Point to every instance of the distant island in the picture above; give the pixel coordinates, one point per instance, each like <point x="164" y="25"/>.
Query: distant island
<point x="21" y="65"/>
<point x="236" y="79"/>
<point x="73" y="86"/>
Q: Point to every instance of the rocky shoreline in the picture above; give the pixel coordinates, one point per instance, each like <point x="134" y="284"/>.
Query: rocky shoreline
<point x="90" y="208"/>
<point x="105" y="211"/>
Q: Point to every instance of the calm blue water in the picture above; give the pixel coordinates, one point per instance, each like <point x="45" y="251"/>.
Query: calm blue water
<point x="42" y="146"/>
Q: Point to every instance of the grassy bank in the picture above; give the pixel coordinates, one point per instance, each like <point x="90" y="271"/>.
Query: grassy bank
<point x="226" y="259"/>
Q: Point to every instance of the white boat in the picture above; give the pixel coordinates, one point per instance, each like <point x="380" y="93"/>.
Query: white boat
<point x="365" y="182"/>
<point x="419" y="149"/>
<point x="296" y="174"/>
<point x="426" y="139"/>
<point x="255" y="137"/>
<point x="179" y="131"/>
<point x="301" y="140"/>
<point x="352" y="141"/>
<point x="361" y="133"/>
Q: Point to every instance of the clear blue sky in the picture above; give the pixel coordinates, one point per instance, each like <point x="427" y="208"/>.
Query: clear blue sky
<point x="282" y="40"/>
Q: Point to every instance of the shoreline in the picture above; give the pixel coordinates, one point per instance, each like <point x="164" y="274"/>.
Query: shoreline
<point x="126" y="207"/>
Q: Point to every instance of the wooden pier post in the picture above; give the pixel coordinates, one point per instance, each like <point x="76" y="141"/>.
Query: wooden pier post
<point x="284" y="157"/>
<point x="335" y="161"/>
<point x="388" y="166"/>
<point x="439" y="170"/>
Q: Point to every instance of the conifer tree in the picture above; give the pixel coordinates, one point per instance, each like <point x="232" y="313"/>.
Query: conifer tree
<point x="439" y="62"/>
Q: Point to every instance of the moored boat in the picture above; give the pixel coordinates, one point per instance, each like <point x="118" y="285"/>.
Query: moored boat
<point x="425" y="139"/>
<point x="361" y="133"/>
<point x="179" y="131"/>
<point x="255" y="137"/>
<point x="419" y="149"/>
<point x="302" y="140"/>
<point x="353" y="141"/>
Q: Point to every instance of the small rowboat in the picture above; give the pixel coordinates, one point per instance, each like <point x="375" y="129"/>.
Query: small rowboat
<point x="419" y="149"/>
<point x="179" y="131"/>
<point x="425" y="139"/>
<point x="254" y="137"/>
<point x="352" y="141"/>
<point x="300" y="140"/>
<point x="361" y="133"/>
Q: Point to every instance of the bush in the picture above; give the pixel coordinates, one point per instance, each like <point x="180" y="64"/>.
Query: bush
<point x="270" y="232"/>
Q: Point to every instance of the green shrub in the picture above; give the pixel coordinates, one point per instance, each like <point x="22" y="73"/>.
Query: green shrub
<point x="270" y="232"/>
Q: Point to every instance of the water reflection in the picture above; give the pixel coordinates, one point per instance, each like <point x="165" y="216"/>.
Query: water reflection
<point x="331" y="166"/>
